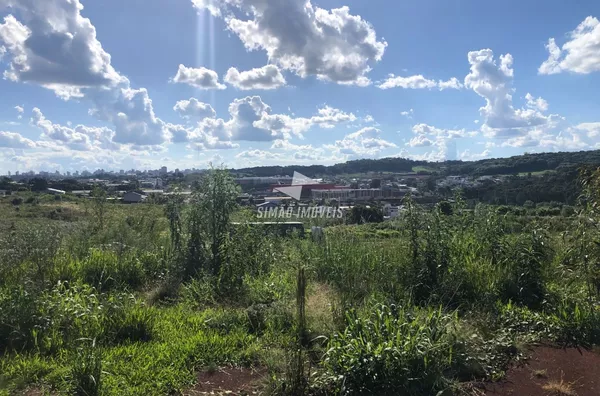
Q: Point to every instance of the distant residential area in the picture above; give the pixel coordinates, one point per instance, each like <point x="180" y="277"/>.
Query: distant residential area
<point x="544" y="180"/>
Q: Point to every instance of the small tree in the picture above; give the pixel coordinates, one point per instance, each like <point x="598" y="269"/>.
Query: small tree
<point x="38" y="184"/>
<point x="17" y="201"/>
<point x="98" y="207"/>
<point x="361" y="214"/>
<point x="445" y="208"/>
<point x="213" y="203"/>
<point x="173" y="213"/>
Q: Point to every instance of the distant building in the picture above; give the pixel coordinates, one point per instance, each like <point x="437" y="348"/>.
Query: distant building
<point x="133" y="197"/>
<point x="391" y="211"/>
<point x="267" y="205"/>
<point x="54" y="191"/>
<point x="278" y="200"/>
<point x="359" y="194"/>
<point x="159" y="192"/>
<point x="265" y="181"/>
<point x="81" y="193"/>
<point x="152" y="183"/>
<point x="454" y="181"/>
<point x="307" y="189"/>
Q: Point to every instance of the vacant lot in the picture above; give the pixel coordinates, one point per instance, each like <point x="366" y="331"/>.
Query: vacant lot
<point x="102" y="298"/>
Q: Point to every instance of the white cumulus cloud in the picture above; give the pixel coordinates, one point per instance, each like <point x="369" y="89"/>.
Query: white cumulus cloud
<point x="53" y="45"/>
<point x="536" y="103"/>
<point x="193" y="108"/>
<point x="419" y="82"/>
<point x="580" y="54"/>
<point x="420" y="141"/>
<point x="365" y="142"/>
<point x="79" y="138"/>
<point x="20" y="110"/>
<point x="132" y="113"/>
<point x="453" y="83"/>
<point x="332" y="45"/>
<point x="411" y="82"/>
<point x="493" y="81"/>
<point x="201" y="78"/>
<point x="15" y="141"/>
<point x="266" y="77"/>
<point x="467" y="155"/>
<point x="591" y="129"/>
<point x="407" y="113"/>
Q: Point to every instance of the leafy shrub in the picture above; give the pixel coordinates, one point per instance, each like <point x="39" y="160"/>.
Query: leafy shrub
<point x="580" y="323"/>
<point x="18" y="318"/>
<point x="257" y="314"/>
<point x="33" y="200"/>
<point x="48" y="320"/>
<point x="153" y="264"/>
<point x="392" y="351"/>
<point x="522" y="269"/>
<point x="226" y="320"/>
<point x="166" y="291"/>
<point x="502" y="210"/>
<point x="535" y="326"/>
<point x="445" y="207"/>
<point x="86" y="370"/>
<point x="548" y="211"/>
<point x="106" y="270"/>
<point x="17" y="201"/>
<point x="126" y="319"/>
<point x="199" y="293"/>
<point x="268" y="288"/>
<point x="567" y="211"/>
<point x="27" y="254"/>
<point x="361" y="214"/>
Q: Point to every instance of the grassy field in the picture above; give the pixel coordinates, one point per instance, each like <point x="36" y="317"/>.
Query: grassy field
<point x="423" y="169"/>
<point x="100" y="298"/>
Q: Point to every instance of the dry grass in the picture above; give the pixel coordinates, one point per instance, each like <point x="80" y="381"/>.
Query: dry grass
<point x="319" y="310"/>
<point x="543" y="373"/>
<point x="559" y="388"/>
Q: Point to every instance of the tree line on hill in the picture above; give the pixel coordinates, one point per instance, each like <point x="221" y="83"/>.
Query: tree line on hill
<point x="497" y="166"/>
<point x="559" y="186"/>
<point x="356" y="166"/>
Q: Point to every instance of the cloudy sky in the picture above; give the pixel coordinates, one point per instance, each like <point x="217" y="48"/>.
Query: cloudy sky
<point x="119" y="84"/>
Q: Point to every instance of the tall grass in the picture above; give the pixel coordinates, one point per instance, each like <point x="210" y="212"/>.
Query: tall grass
<point x="409" y="306"/>
<point x="393" y="351"/>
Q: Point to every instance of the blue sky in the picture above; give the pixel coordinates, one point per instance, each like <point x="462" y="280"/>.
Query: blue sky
<point x="182" y="83"/>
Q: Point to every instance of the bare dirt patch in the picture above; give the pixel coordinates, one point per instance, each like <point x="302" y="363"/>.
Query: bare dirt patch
<point x="228" y="381"/>
<point x="552" y="372"/>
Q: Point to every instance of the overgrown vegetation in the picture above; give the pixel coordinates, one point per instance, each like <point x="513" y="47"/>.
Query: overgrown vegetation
<point x="135" y="300"/>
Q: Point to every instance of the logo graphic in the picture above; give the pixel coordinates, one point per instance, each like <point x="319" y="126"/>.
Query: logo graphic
<point x="298" y="211"/>
<point x="295" y="190"/>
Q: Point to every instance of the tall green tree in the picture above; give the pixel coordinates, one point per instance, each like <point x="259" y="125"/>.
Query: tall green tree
<point x="213" y="203"/>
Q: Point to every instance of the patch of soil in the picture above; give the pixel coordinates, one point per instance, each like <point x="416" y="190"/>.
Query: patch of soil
<point x="228" y="381"/>
<point x="33" y="392"/>
<point x="552" y="372"/>
<point x="36" y="391"/>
